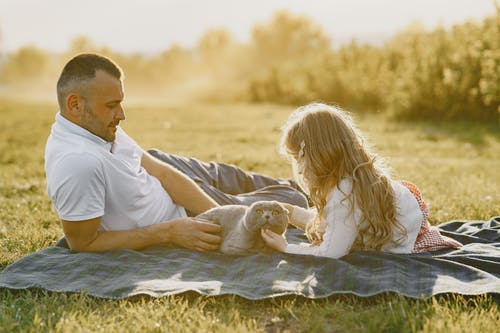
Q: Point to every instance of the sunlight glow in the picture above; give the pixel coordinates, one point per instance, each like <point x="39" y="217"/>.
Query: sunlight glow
<point x="151" y="26"/>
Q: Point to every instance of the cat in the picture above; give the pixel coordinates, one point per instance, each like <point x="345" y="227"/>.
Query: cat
<point x="241" y="225"/>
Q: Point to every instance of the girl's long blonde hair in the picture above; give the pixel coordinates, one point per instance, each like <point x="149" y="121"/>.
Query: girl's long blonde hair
<point x="327" y="148"/>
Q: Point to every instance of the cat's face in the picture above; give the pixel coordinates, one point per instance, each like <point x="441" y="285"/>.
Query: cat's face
<point x="268" y="215"/>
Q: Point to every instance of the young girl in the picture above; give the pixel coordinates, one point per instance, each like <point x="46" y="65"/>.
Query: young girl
<point x="357" y="205"/>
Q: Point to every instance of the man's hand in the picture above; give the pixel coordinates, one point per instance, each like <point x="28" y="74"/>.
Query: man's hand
<point x="195" y="234"/>
<point x="273" y="240"/>
<point x="85" y="236"/>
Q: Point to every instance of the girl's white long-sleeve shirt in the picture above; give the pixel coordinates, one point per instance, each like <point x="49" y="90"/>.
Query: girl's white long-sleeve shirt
<point x="342" y="225"/>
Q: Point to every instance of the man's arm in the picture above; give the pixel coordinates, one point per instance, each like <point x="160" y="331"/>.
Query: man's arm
<point x="183" y="190"/>
<point x="85" y="236"/>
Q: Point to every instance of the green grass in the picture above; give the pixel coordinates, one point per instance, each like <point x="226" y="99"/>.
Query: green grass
<point x="456" y="166"/>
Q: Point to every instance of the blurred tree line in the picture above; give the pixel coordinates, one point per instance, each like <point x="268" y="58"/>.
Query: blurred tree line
<point x="444" y="74"/>
<point x="440" y="75"/>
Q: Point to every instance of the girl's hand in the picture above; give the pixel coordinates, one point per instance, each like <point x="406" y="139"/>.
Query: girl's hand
<point x="274" y="240"/>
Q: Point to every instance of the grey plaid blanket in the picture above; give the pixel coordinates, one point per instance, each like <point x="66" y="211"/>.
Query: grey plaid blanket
<point x="471" y="270"/>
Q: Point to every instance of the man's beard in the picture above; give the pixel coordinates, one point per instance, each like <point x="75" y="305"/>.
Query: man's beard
<point x="90" y="123"/>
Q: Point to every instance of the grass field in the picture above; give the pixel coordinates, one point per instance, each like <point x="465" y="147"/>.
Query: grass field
<point x="457" y="167"/>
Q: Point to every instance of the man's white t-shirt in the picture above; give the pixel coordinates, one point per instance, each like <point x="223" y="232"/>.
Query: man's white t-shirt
<point x="88" y="177"/>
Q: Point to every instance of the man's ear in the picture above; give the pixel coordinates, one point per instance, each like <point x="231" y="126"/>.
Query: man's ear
<point x="74" y="105"/>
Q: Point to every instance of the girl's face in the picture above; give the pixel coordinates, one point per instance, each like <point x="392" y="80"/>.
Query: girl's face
<point x="297" y="162"/>
<point x="298" y="167"/>
<point x="295" y="167"/>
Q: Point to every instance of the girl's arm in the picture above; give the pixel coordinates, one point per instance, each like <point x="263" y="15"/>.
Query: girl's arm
<point x="337" y="240"/>
<point x="299" y="216"/>
<point x="341" y="230"/>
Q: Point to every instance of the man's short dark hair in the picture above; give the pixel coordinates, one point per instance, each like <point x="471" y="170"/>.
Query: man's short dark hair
<point x="79" y="70"/>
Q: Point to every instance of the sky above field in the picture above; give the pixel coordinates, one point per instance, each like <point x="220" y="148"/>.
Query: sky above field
<point x="151" y="26"/>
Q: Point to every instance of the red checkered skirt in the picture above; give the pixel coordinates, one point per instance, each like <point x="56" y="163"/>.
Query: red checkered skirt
<point x="429" y="238"/>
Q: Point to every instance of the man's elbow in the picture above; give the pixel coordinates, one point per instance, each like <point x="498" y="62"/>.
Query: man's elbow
<point x="81" y="245"/>
<point x="79" y="248"/>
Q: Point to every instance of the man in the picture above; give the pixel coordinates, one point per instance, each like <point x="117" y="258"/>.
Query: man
<point x="111" y="194"/>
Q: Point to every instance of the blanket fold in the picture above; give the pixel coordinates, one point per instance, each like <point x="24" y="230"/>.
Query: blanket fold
<point x="471" y="270"/>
